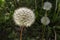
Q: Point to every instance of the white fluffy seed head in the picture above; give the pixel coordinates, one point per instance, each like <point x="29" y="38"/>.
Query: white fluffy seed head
<point x="24" y="17"/>
<point x="45" y="20"/>
<point x="47" y="6"/>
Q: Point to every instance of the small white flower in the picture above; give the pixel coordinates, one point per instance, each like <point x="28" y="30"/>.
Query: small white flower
<point x="45" y="20"/>
<point x="24" y="17"/>
<point x="47" y="6"/>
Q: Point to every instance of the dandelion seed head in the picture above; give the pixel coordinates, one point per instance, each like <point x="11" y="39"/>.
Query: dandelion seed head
<point x="45" y="20"/>
<point x="24" y="17"/>
<point x="47" y="6"/>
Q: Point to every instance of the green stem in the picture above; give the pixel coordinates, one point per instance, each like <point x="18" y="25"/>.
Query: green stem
<point x="35" y="4"/>
<point x="56" y="5"/>
<point x="55" y="15"/>
<point x="46" y="13"/>
<point x="55" y="36"/>
<point x="43" y="32"/>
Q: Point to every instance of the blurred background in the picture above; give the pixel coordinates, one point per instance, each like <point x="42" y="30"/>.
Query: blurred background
<point x="10" y="31"/>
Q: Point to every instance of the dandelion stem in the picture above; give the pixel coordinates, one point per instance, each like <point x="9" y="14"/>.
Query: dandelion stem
<point x="21" y="33"/>
<point x="35" y="4"/>
<point x="55" y="34"/>
<point x="46" y="13"/>
<point x="43" y="32"/>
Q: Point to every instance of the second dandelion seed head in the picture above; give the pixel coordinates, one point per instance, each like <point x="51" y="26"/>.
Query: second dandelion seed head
<point x="47" y="5"/>
<point x="45" y="20"/>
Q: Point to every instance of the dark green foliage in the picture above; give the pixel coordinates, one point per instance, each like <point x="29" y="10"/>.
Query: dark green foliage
<point x="10" y="31"/>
